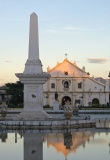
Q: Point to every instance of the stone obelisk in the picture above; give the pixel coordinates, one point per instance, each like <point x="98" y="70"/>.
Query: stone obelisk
<point x="33" y="64"/>
<point x="33" y="78"/>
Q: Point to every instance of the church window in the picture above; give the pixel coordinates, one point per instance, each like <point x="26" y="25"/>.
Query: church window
<point x="66" y="73"/>
<point x="77" y="101"/>
<point x="80" y="85"/>
<point x="66" y="84"/>
<point x="52" y="85"/>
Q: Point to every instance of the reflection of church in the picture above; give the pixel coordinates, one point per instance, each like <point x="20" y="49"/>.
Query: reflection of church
<point x="33" y="142"/>
<point x="75" y="86"/>
<point x="67" y="142"/>
<point x="34" y="147"/>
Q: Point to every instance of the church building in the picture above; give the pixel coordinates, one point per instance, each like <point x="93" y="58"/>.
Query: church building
<point x="74" y="86"/>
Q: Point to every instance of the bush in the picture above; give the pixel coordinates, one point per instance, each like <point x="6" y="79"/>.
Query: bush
<point x="103" y="105"/>
<point x="46" y="106"/>
<point x="96" y="105"/>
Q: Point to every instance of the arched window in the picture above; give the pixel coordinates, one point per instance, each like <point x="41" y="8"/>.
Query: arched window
<point x="66" y="84"/>
<point x="95" y="101"/>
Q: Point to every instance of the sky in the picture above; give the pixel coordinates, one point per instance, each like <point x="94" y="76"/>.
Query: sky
<point x="78" y="28"/>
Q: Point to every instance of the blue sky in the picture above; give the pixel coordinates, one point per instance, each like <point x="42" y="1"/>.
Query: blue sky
<point x="80" y="28"/>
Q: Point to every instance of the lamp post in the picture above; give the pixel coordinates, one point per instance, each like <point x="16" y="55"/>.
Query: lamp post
<point x="109" y="86"/>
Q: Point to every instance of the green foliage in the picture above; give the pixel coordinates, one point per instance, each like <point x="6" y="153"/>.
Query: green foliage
<point x="46" y="106"/>
<point x="103" y="105"/>
<point x="15" y="94"/>
<point x="96" y="105"/>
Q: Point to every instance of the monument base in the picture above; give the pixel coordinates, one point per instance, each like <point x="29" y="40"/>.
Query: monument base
<point x="32" y="115"/>
<point x="56" y="106"/>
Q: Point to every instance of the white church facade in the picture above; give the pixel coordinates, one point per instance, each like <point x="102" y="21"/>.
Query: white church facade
<point x="74" y="86"/>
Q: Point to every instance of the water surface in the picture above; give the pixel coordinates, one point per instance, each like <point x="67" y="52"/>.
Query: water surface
<point x="66" y="144"/>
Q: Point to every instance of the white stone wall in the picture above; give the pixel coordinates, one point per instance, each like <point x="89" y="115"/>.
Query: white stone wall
<point x="90" y="90"/>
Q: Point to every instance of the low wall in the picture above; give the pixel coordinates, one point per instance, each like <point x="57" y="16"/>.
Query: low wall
<point x="51" y="124"/>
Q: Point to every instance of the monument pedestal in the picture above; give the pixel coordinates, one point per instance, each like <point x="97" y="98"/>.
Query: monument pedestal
<point x="37" y="115"/>
<point x="56" y="106"/>
<point x="33" y="96"/>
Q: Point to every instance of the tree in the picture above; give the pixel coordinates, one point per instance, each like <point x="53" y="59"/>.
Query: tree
<point x="14" y="92"/>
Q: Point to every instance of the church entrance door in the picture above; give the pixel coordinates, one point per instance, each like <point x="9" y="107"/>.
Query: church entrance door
<point x="66" y="100"/>
<point x="95" y="101"/>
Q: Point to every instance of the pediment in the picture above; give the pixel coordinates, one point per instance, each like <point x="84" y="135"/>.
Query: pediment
<point x="66" y="68"/>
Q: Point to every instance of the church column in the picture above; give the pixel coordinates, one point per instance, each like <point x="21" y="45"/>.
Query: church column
<point x="74" y="91"/>
<point x="56" y="84"/>
<point x="72" y="100"/>
<point x="49" y="85"/>
<point x="84" y="96"/>
<point x="58" y="90"/>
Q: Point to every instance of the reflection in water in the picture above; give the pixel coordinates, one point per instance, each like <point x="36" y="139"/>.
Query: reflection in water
<point x="103" y="123"/>
<point x="68" y="140"/>
<point x="33" y="146"/>
<point x="68" y="143"/>
<point x="3" y="136"/>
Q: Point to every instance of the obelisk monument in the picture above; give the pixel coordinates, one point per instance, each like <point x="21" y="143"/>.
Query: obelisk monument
<point x="33" y="78"/>
<point x="33" y="64"/>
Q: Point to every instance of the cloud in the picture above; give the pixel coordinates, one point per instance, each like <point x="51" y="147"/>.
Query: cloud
<point x="60" y="30"/>
<point x="52" y="30"/>
<point x="97" y="60"/>
<point x="45" y="19"/>
<point x="77" y="29"/>
<point x="7" y="61"/>
<point x="69" y="29"/>
<point x="13" y="19"/>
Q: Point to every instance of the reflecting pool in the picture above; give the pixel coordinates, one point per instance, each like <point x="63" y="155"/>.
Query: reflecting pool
<point x="55" y="145"/>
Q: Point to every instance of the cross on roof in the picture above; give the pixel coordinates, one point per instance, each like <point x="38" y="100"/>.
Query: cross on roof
<point x="66" y="55"/>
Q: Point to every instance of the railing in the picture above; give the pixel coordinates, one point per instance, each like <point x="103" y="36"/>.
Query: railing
<point x="94" y="108"/>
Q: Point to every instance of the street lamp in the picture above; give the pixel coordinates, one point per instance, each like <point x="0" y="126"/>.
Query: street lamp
<point x="109" y="86"/>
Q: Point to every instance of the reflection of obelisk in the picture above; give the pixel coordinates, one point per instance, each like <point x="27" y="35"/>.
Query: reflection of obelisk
<point x="33" y="78"/>
<point x="33" y="146"/>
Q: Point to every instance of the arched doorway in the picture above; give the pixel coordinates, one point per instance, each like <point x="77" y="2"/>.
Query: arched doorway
<point x="65" y="100"/>
<point x="95" y="101"/>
